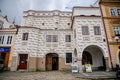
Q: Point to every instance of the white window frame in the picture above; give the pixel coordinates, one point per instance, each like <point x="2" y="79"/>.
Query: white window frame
<point x="2" y="39"/>
<point x="9" y="40"/>
<point x="116" y="29"/>
<point x="112" y="13"/>
<point x="118" y="12"/>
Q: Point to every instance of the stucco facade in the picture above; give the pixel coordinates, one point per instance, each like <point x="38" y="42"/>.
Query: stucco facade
<point x="111" y="20"/>
<point x="46" y="40"/>
<point x="7" y="39"/>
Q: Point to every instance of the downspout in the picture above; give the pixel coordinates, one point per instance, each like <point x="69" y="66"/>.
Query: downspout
<point x="106" y="36"/>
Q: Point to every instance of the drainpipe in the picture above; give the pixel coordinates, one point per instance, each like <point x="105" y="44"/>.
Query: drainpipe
<point x="106" y="36"/>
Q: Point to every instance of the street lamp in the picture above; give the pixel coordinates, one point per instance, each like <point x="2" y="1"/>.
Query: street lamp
<point x="116" y="38"/>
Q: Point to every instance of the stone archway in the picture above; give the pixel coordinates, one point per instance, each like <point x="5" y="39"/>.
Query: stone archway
<point x="94" y="55"/>
<point x="52" y="61"/>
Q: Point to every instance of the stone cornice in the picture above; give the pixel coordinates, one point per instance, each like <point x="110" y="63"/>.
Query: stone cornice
<point x="46" y="29"/>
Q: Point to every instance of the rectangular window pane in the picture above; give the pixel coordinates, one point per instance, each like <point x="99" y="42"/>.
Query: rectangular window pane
<point x="118" y="12"/>
<point x="9" y="40"/>
<point x="48" y="38"/>
<point x="85" y="30"/>
<point x="1" y="39"/>
<point x="117" y="31"/>
<point x="112" y="12"/>
<point x="54" y="38"/>
<point x="97" y="30"/>
<point x="68" y="57"/>
<point x="25" y="36"/>
<point x="68" y="38"/>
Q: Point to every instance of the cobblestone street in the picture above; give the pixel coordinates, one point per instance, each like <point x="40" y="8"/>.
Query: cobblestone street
<point x="47" y="75"/>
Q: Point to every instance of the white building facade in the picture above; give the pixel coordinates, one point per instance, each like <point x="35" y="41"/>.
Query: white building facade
<point x="53" y="40"/>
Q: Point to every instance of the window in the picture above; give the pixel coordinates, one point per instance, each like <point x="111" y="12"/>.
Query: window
<point x="118" y="12"/>
<point x="68" y="38"/>
<point x="9" y="40"/>
<point x="85" y="30"/>
<point x="68" y="57"/>
<point x="112" y="12"/>
<point x="55" y="38"/>
<point x="48" y="38"/>
<point x="1" y="39"/>
<point x="51" y="38"/>
<point x="97" y="30"/>
<point x="117" y="31"/>
<point x="25" y="36"/>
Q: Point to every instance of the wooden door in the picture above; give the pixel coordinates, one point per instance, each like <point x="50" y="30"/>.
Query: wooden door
<point x="23" y="61"/>
<point x="48" y="63"/>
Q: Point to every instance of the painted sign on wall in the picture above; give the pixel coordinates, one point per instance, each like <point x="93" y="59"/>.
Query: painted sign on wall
<point x="4" y="49"/>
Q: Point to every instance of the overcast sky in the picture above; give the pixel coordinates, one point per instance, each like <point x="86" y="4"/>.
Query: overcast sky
<point x="14" y="8"/>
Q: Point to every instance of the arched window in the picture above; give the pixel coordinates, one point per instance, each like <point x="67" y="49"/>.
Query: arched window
<point x="86" y="58"/>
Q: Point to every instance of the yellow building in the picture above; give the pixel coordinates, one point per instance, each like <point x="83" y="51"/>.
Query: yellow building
<point x="110" y="11"/>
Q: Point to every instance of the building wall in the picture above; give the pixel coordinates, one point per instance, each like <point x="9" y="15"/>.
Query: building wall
<point x="7" y="29"/>
<point x="110" y="22"/>
<point x="85" y="41"/>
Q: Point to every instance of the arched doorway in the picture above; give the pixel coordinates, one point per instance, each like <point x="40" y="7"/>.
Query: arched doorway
<point x="86" y="58"/>
<point x="94" y="55"/>
<point x="52" y="61"/>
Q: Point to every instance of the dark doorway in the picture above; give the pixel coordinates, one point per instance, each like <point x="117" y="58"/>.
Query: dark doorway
<point x="52" y="61"/>
<point x="86" y="58"/>
<point x="23" y="61"/>
<point x="104" y="64"/>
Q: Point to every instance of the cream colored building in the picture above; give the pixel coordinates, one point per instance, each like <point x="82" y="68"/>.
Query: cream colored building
<point x="54" y="40"/>
<point x="7" y="36"/>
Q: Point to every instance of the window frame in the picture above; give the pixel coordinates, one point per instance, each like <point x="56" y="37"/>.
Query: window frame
<point x="111" y="13"/>
<point x="2" y="39"/>
<point x="9" y="40"/>
<point x="25" y="36"/>
<point x="68" y="58"/>
<point x="97" y="30"/>
<point x="67" y="38"/>
<point x="84" y="32"/>
<point x="118" y="12"/>
<point x="51" y="38"/>
<point x="117" y="30"/>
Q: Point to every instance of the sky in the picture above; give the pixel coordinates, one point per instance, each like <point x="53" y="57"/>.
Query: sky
<point x="14" y="8"/>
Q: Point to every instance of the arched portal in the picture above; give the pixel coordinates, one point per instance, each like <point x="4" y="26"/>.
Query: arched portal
<point x="94" y="55"/>
<point x="86" y="58"/>
<point x="52" y="61"/>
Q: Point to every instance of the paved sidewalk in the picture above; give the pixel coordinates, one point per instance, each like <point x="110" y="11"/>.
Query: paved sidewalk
<point x="96" y="75"/>
<point x="56" y="75"/>
<point x="46" y="75"/>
